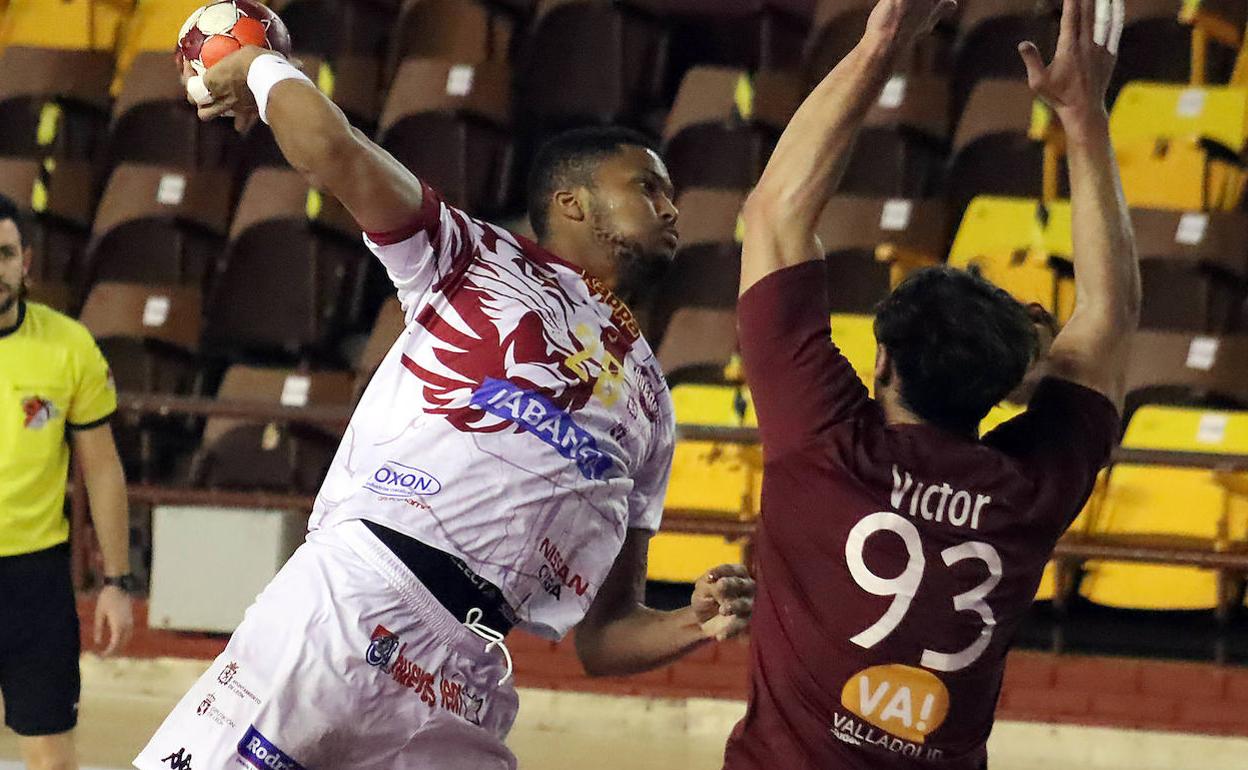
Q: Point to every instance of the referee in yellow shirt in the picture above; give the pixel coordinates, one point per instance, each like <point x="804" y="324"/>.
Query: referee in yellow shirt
<point x="54" y="385"/>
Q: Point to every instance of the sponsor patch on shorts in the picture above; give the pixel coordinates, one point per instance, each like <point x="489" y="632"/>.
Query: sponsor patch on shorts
<point x="261" y="752"/>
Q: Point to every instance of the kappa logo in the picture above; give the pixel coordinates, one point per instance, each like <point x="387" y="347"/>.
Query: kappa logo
<point x="179" y="760"/>
<point x="38" y="412"/>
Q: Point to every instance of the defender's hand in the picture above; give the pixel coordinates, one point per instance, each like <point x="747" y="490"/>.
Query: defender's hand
<point x="723" y="600"/>
<point x="903" y="21"/>
<point x="1076" y="81"/>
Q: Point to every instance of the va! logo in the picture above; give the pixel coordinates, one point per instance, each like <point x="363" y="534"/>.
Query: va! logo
<point x="227" y="674"/>
<point x="179" y="760"/>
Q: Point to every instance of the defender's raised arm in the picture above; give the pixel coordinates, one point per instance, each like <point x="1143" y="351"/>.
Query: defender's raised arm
<point x="1092" y="348"/>
<point x="781" y="213"/>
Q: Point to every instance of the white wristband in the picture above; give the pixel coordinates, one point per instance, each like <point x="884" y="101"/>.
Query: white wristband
<point x="267" y="71"/>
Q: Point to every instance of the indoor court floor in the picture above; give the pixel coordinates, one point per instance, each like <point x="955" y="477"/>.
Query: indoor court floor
<point x="124" y="701"/>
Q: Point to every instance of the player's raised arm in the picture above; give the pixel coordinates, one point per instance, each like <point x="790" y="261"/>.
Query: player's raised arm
<point x="784" y="208"/>
<point x="315" y="137"/>
<point x="1092" y="348"/>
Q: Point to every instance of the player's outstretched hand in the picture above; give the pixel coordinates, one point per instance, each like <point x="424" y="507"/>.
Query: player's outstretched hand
<point x="223" y="90"/>
<point x="1076" y="81"/>
<point x="723" y="599"/>
<point x="902" y="21"/>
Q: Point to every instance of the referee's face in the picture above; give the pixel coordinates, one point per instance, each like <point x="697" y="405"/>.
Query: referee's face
<point x="13" y="265"/>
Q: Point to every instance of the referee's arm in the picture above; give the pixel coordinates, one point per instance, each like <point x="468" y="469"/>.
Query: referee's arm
<point x="96" y="452"/>
<point x="783" y="210"/>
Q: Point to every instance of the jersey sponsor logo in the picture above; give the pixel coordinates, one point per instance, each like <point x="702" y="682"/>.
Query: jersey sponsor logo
<point x="402" y="481"/>
<point x="227" y="673"/>
<point x="205" y="704"/>
<point x="555" y="573"/>
<point x="261" y="753"/>
<point x="178" y="760"/>
<point x="908" y="702"/>
<point x="534" y="413"/>
<point x="38" y="412"/>
<point x="381" y="648"/>
<point x="385" y="653"/>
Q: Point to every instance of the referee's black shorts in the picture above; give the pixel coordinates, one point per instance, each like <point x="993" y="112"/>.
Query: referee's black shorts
<point x="39" y="643"/>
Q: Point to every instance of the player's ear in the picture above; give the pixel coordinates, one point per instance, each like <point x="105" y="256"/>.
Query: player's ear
<point x="883" y="365"/>
<point x="568" y="204"/>
<point x="28" y="258"/>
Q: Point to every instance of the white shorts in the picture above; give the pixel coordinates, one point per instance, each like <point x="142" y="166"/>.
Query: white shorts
<point x="344" y="661"/>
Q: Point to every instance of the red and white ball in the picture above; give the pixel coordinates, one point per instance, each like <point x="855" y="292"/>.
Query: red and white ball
<point x="218" y="29"/>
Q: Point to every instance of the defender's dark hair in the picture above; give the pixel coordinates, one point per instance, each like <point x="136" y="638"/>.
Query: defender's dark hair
<point x="958" y="343"/>
<point x="569" y="160"/>
<point x="9" y="210"/>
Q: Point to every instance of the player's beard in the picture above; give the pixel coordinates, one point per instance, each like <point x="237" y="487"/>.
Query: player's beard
<point x="12" y="296"/>
<point x="637" y="270"/>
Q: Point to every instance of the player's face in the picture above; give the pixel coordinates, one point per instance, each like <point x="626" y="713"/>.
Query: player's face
<point x="631" y="210"/>
<point x="12" y="265"/>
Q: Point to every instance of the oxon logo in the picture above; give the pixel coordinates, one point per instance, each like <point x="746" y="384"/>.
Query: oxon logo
<point x="402" y="481"/>
<point x="261" y="753"/>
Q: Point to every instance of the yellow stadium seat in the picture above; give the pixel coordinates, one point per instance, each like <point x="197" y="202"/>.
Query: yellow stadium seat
<point x="1177" y="502"/>
<point x="855" y="336"/>
<point x="1158" y="130"/>
<point x="681" y="558"/>
<point x="73" y="24"/>
<point x="153" y="26"/>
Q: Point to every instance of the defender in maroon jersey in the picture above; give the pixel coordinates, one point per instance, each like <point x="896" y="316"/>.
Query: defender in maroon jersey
<point x="898" y="551"/>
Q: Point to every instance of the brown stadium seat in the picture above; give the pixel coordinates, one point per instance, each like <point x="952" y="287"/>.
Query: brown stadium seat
<point x="871" y="243"/>
<point x="159" y="225"/>
<point x="241" y="454"/>
<point x="589" y="61"/>
<point x="53" y="101"/>
<point x="1157" y="45"/>
<point x="57" y="197"/>
<point x="992" y="151"/>
<point x="902" y="147"/>
<point x="334" y="27"/>
<point x="464" y="31"/>
<point x="352" y="81"/>
<point x="706" y="272"/>
<point x="1181" y="367"/>
<point x="837" y="28"/>
<point x="449" y="124"/>
<point x="1194" y="269"/>
<point x="291" y="274"/>
<point x="989" y="32"/>
<point x="699" y="344"/>
<point x="152" y="123"/>
<point x="724" y="125"/>
<point x="386" y="329"/>
<point x="150" y="336"/>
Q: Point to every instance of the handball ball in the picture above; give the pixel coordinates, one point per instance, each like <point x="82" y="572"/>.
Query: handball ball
<point x="219" y="29"/>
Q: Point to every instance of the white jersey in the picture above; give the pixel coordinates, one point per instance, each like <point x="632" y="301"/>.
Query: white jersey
<point x="521" y="422"/>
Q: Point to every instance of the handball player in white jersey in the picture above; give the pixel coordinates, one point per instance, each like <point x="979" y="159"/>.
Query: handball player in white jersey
<point x="505" y="467"/>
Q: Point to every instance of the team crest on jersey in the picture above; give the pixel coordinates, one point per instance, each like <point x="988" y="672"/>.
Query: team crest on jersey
<point x="38" y="412"/>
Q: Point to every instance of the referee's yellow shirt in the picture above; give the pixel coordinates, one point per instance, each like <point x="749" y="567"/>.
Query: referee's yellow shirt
<point x="53" y="378"/>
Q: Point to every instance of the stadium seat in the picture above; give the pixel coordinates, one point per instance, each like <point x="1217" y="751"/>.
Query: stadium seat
<point x="386" y="329"/>
<point x="993" y="150"/>
<point x="448" y="123"/>
<point x="1194" y="269"/>
<point x="150" y="336"/>
<point x="53" y="102"/>
<point x="873" y="243"/>
<point x="1170" y="505"/>
<point x="988" y="35"/>
<point x="1157" y="44"/>
<point x="462" y="31"/>
<point x="589" y="61"/>
<point x="698" y="345"/>
<point x="291" y="275"/>
<point x="158" y="225"/>
<point x="724" y="124"/>
<point x="837" y="27"/>
<point x="242" y="454"/>
<point x="901" y="149"/>
<point x="330" y="28"/>
<point x="1184" y="368"/>
<point x="152" y="123"/>
<point x="67" y="24"/>
<point x="152" y="28"/>
<point x="57" y="197"/>
<point x="706" y="272"/>
<point x="854" y="335"/>
<point x="1179" y="146"/>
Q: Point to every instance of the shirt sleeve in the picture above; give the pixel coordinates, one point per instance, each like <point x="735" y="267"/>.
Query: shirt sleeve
<point x="95" y="396"/>
<point x="645" y="502"/>
<point x="800" y="381"/>
<point x="1062" y="441"/>
<point x="424" y="255"/>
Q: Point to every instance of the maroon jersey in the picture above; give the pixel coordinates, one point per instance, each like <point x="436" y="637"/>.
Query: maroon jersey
<point x="895" y="562"/>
